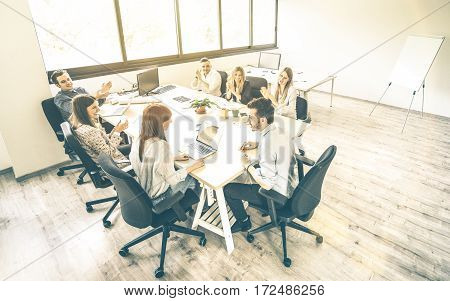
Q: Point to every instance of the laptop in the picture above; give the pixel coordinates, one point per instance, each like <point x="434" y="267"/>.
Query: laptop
<point x="147" y="81"/>
<point x="206" y="143"/>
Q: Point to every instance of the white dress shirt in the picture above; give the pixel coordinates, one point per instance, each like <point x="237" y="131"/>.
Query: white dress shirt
<point x="156" y="171"/>
<point x="214" y="82"/>
<point x="278" y="165"/>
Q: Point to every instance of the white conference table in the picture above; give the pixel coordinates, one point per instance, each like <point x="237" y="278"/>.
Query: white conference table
<point x="303" y="82"/>
<point x="221" y="167"/>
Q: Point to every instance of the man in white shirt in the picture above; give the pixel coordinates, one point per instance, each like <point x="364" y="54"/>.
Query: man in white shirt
<point x="277" y="164"/>
<point x="206" y="79"/>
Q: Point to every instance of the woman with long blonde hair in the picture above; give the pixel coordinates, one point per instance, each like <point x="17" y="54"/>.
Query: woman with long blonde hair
<point x="153" y="161"/>
<point x="283" y="94"/>
<point x="238" y="89"/>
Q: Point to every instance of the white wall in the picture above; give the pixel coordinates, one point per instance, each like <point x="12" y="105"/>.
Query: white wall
<point x="29" y="139"/>
<point x="5" y="161"/>
<point x="323" y="36"/>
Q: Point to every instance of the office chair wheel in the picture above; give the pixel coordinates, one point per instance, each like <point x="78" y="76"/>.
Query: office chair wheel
<point x="159" y="272"/>
<point x="60" y="173"/>
<point x="107" y="224"/>
<point x="202" y="241"/>
<point x="319" y="239"/>
<point x="123" y="252"/>
<point x="80" y="181"/>
<point x="250" y="238"/>
<point x="89" y="208"/>
<point x="287" y="262"/>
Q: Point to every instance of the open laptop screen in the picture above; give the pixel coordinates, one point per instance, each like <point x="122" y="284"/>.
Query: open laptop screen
<point x="147" y="81"/>
<point x="209" y="135"/>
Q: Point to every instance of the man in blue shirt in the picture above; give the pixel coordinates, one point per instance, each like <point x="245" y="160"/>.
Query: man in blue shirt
<point x="63" y="100"/>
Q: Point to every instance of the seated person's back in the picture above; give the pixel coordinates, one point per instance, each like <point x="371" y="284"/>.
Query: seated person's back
<point x="155" y="171"/>
<point x="152" y="160"/>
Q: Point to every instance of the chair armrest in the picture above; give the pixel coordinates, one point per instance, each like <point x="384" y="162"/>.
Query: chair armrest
<point x="128" y="169"/>
<point x="273" y="195"/>
<point x="60" y="136"/>
<point x="172" y="203"/>
<point x="305" y="160"/>
<point x="122" y="161"/>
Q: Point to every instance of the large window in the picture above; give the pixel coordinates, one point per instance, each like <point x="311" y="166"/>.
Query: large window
<point x="73" y="35"/>
<point x="199" y="25"/>
<point x="235" y="23"/>
<point x="149" y="28"/>
<point x="264" y="21"/>
<point x="105" y="36"/>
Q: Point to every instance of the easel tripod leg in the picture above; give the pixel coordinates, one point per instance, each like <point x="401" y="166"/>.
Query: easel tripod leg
<point x="423" y="96"/>
<point x="409" y="109"/>
<point x="370" y="114"/>
<point x="332" y="89"/>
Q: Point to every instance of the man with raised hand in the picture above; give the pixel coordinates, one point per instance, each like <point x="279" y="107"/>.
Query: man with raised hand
<point x="63" y="100"/>
<point x="206" y="79"/>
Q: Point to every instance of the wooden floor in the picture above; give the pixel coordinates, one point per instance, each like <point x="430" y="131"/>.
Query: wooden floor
<point x="384" y="215"/>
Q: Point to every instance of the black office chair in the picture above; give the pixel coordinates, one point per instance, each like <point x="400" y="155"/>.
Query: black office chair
<point x="302" y="110"/>
<point x="223" y="85"/>
<point x="94" y="172"/>
<point x="55" y="119"/>
<point x="303" y="115"/>
<point x="301" y="205"/>
<point x="256" y="83"/>
<point x="269" y="60"/>
<point x="138" y="211"/>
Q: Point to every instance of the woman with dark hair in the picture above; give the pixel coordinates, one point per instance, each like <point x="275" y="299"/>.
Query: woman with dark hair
<point x="92" y="135"/>
<point x="238" y="89"/>
<point x="283" y="94"/>
<point x="153" y="162"/>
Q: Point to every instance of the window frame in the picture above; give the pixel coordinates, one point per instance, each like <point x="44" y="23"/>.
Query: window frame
<point x="126" y="65"/>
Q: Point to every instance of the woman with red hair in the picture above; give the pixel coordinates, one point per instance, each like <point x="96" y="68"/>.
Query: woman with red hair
<point x="153" y="162"/>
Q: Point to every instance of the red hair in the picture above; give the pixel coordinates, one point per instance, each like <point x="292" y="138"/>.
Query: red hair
<point x="152" y="124"/>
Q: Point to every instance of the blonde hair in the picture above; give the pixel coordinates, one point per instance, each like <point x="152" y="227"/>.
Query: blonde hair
<point x="153" y="118"/>
<point x="232" y="80"/>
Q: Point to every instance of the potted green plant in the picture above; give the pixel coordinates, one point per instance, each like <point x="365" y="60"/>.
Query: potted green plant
<point x="200" y="105"/>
